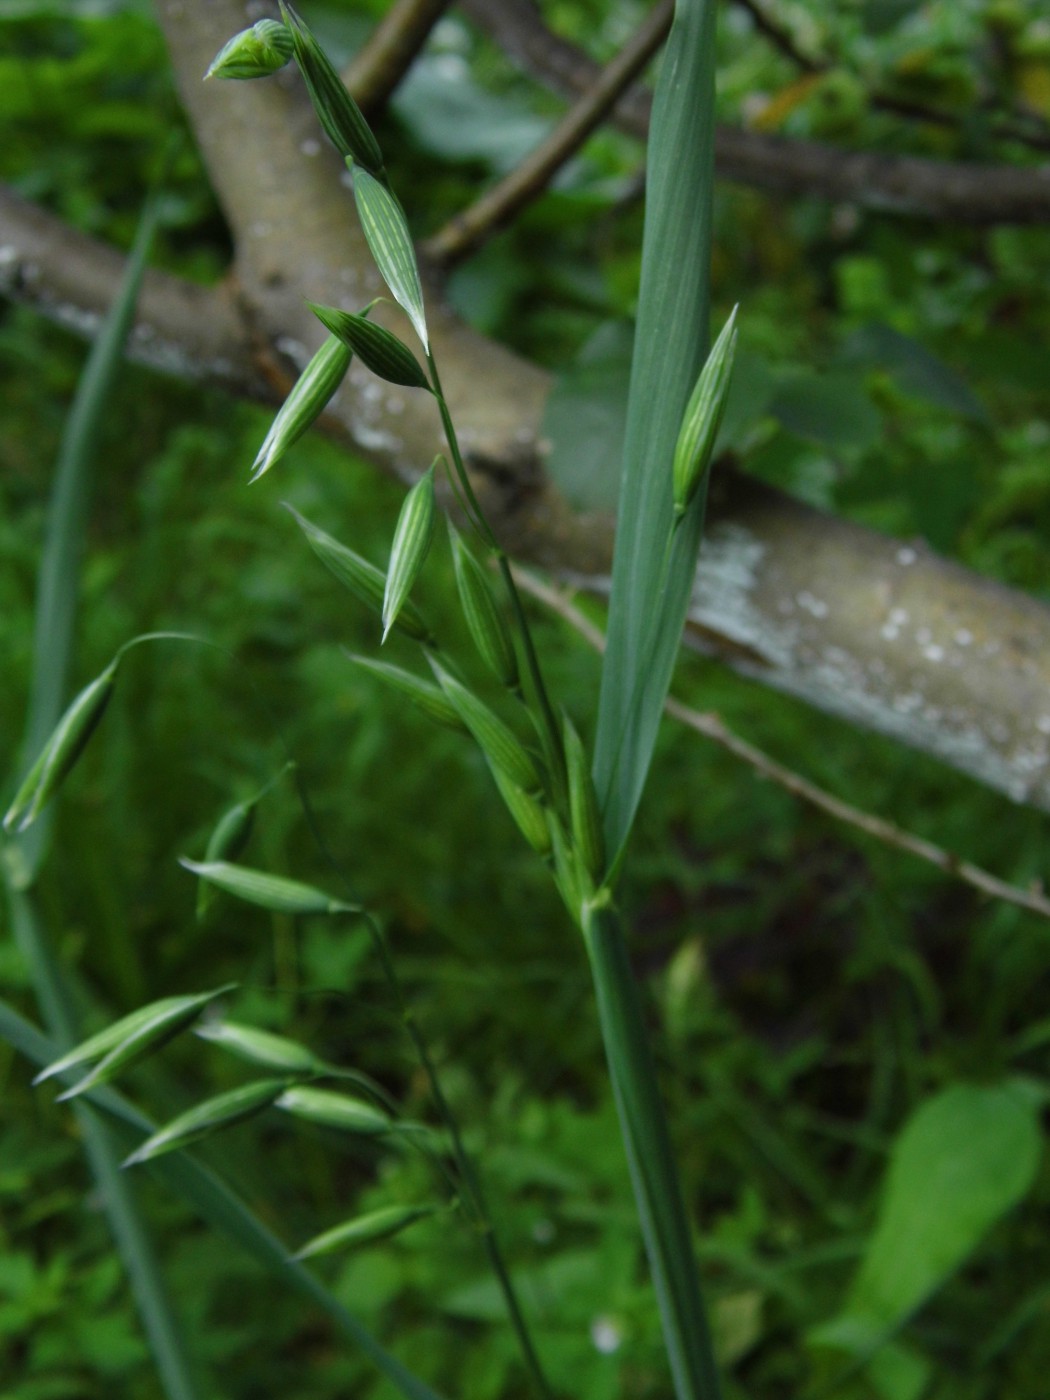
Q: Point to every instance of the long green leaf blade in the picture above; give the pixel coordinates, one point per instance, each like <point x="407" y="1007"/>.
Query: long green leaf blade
<point x="59" y="579"/>
<point x="648" y="602"/>
<point x="58" y="592"/>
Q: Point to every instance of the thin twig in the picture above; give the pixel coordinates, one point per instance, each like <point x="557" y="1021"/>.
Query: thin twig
<point x="469" y="229"/>
<point x="377" y="68"/>
<point x="780" y="38"/>
<point x="712" y="727"/>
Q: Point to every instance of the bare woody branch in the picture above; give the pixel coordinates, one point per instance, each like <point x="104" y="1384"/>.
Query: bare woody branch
<point x="908" y="185"/>
<point x="182" y="328"/>
<point x="379" y="66"/>
<point x="712" y="726"/>
<point x="880" y="632"/>
<point x="466" y="232"/>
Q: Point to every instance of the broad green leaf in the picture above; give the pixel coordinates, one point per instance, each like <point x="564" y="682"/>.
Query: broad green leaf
<point x="307" y="401"/>
<point x="833" y="409"/>
<point x="964" y="1159"/>
<point x="336" y="110"/>
<point x="214" y="1114"/>
<point x="363" y="579"/>
<point x="273" y="892"/>
<point x="375" y="347"/>
<point x="132" y="1037"/>
<point x="264" y="1048"/>
<point x="386" y="233"/>
<point x="453" y="116"/>
<point x="648" y="602"/>
<point x="365" y="1229"/>
<point x="332" y="1110"/>
<point x="917" y="370"/>
<point x="59" y="755"/>
<point x="411" y="545"/>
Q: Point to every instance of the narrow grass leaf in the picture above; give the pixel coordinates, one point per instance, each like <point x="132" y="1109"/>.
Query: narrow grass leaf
<point x="264" y="1048"/>
<point x="426" y="696"/>
<point x="273" y="892"/>
<point x="257" y="52"/>
<point x="332" y="1110"/>
<point x="587" y="836"/>
<point x="379" y="349"/>
<point x="364" y="1229"/>
<point x="57" y="600"/>
<point x="336" y="110"/>
<point x="363" y="579"/>
<point x="408" y="553"/>
<point x="208" y="1118"/>
<point x="59" y="755"/>
<point x="648" y="601"/>
<point x="58" y="586"/>
<point x="702" y="419"/>
<point x="386" y="232"/>
<point x="486" y="624"/>
<point x="221" y="1208"/>
<point x="304" y="405"/>
<point x="498" y="743"/>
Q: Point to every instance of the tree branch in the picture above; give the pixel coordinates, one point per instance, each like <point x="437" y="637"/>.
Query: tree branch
<point x="466" y="232"/>
<point x="712" y="726"/>
<point x="882" y="633"/>
<point x="192" y="331"/>
<point x="376" y="69"/>
<point x="950" y="191"/>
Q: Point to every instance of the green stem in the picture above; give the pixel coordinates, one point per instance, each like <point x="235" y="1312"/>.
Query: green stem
<point x="643" y="1126"/>
<point x="468" y="1172"/>
<point x="549" y="733"/>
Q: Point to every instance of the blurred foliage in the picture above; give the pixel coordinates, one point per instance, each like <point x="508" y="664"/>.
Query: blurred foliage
<point x="818" y="1000"/>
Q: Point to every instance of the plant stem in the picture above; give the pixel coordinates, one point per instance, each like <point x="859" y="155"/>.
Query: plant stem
<point x="467" y="1170"/>
<point x="643" y="1125"/>
<point x="548" y="726"/>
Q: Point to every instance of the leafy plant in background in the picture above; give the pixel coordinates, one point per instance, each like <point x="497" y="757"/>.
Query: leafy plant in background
<point x="656" y="560"/>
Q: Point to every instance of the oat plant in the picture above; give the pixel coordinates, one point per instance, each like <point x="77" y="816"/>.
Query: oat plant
<point x="574" y="806"/>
